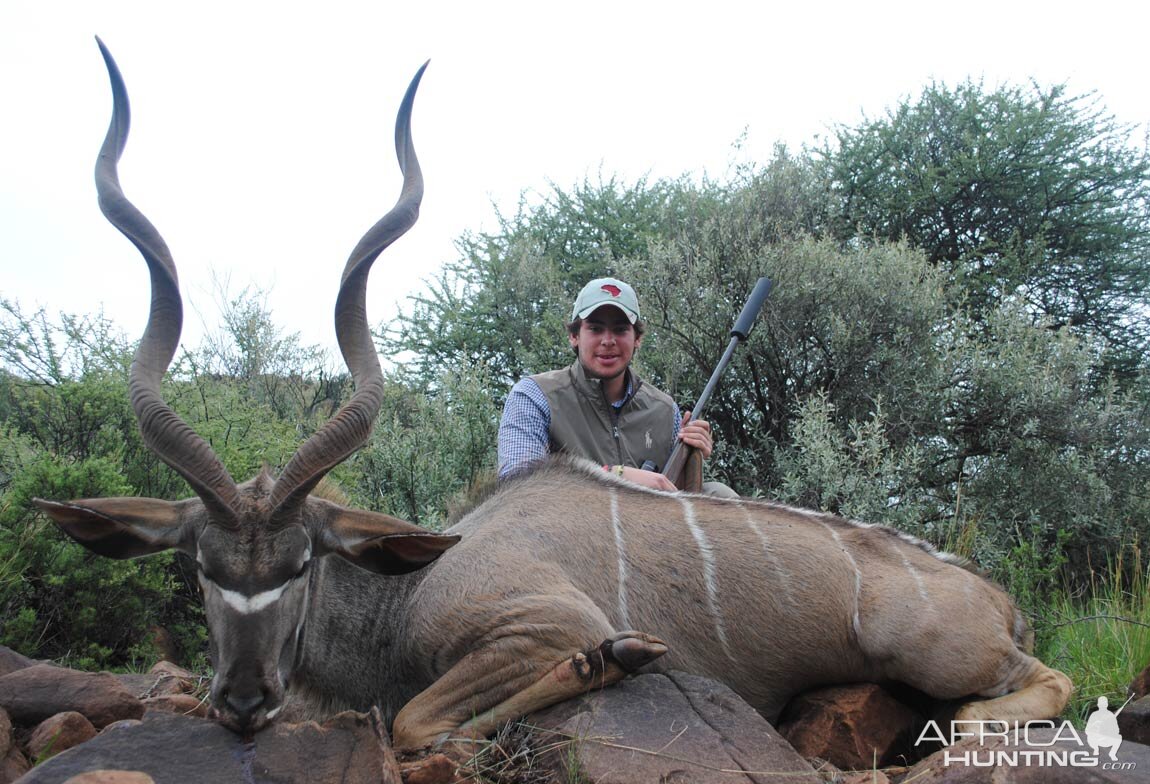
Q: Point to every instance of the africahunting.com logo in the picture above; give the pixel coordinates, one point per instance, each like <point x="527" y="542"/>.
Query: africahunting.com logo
<point x="1034" y="743"/>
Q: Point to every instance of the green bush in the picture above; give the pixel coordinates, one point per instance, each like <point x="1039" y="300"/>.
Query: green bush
<point x="68" y="432"/>
<point x="429" y="445"/>
<point x="66" y="603"/>
<point x="858" y="473"/>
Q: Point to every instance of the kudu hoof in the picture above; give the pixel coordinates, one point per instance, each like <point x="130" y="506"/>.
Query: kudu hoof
<point x="632" y="650"/>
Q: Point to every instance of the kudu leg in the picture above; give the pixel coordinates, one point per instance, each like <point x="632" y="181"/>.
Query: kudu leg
<point x="512" y="678"/>
<point x="614" y="659"/>
<point x="1041" y="693"/>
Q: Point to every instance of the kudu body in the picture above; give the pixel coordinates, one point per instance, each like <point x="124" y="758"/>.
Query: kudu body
<point x="534" y="596"/>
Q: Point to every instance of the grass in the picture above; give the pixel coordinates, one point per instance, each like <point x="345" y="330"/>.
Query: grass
<point x="518" y="754"/>
<point x="1099" y="637"/>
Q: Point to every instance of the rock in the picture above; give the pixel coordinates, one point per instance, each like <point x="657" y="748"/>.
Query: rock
<point x="33" y="694"/>
<point x="13" y="766"/>
<point x="434" y="769"/>
<point x="178" y="703"/>
<point x="173" y="679"/>
<point x="1140" y="686"/>
<point x="1134" y="722"/>
<point x="856" y="727"/>
<point x="991" y="762"/>
<point x="345" y="748"/>
<point x="121" y="724"/>
<point x="864" y="777"/>
<point x="140" y="685"/>
<point x="164" y="643"/>
<point x="112" y="777"/>
<point x="174" y="670"/>
<point x="10" y="661"/>
<point x="59" y="733"/>
<point x="830" y="774"/>
<point x="5" y="733"/>
<point x="175" y="749"/>
<point x="163" y="678"/>
<point x="826" y="770"/>
<point x="673" y="728"/>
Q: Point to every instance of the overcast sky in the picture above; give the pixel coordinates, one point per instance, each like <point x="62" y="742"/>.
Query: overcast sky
<point x="261" y="142"/>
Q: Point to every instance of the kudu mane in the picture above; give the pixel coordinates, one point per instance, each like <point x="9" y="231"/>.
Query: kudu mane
<point x="564" y="467"/>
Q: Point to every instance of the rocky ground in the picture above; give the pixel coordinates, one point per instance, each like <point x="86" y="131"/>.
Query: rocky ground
<point x="61" y="726"/>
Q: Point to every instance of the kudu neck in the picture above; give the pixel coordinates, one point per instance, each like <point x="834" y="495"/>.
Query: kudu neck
<point x="355" y="635"/>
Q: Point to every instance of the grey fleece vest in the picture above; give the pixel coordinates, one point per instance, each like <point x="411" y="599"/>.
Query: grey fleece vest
<point x="583" y="423"/>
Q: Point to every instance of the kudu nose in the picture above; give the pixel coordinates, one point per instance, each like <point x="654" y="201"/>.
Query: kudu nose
<point x="244" y="705"/>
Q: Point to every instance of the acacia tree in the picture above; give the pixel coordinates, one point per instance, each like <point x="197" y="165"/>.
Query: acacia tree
<point x="1018" y="194"/>
<point x="503" y="303"/>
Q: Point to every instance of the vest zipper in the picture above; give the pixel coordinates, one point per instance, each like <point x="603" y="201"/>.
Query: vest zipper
<point x="615" y="432"/>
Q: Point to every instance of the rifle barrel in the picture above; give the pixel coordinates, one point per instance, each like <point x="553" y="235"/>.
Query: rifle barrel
<point x="739" y="333"/>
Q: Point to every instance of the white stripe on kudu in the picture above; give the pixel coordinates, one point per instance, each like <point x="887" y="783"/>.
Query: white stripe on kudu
<point x="708" y="556"/>
<point x="621" y="559"/>
<point x="856" y="624"/>
<point x="914" y="573"/>
<point x="777" y="569"/>
<point x="247" y="605"/>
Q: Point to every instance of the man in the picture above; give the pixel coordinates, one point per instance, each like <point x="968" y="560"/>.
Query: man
<point x="598" y="407"/>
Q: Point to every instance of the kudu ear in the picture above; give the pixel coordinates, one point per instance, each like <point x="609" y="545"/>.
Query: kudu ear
<point x="382" y="544"/>
<point x="119" y="527"/>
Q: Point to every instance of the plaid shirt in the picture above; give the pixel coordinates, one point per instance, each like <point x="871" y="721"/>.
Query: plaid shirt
<point x="524" y="429"/>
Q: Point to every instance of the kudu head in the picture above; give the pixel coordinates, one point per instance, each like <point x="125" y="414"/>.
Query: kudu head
<point x="255" y="544"/>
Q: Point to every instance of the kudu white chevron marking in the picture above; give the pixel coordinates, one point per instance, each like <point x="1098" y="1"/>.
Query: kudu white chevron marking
<point x="916" y="576"/>
<point x="708" y="556"/>
<point x="856" y="623"/>
<point x="621" y="558"/>
<point x="246" y="605"/>
<point x="777" y="567"/>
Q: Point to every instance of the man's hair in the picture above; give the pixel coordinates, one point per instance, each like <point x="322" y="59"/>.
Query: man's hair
<point x="573" y="327"/>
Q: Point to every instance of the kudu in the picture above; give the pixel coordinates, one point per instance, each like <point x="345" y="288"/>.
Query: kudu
<point x="537" y="597"/>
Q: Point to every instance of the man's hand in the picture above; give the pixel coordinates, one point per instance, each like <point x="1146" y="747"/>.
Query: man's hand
<point x="649" y="479"/>
<point x="696" y="434"/>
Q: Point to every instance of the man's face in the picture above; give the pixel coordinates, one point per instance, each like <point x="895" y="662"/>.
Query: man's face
<point x="606" y="342"/>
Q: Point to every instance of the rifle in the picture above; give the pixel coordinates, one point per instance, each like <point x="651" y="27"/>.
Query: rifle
<point x="739" y="333"/>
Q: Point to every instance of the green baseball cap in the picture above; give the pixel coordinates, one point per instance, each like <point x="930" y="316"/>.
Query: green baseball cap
<point x="606" y="291"/>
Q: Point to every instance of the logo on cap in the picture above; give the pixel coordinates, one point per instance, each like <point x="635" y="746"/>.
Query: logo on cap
<point x="613" y="290"/>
